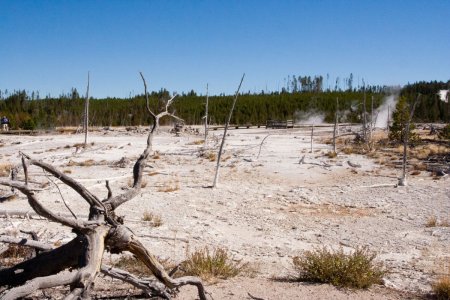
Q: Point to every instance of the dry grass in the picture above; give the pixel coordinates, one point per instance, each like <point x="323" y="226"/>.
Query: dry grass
<point x="445" y="223"/>
<point x="423" y="152"/>
<point x="135" y="266"/>
<point x="431" y="222"/>
<point x="5" y="169"/>
<point x="212" y="264"/>
<point x="355" y="270"/>
<point x="153" y="219"/>
<point x="156" y="155"/>
<point x="86" y="163"/>
<point x="14" y="255"/>
<point x="347" y="150"/>
<point x="169" y="186"/>
<point x="420" y="167"/>
<point x="441" y="288"/>
<point x="331" y="154"/>
<point x="211" y="156"/>
<point x="197" y="142"/>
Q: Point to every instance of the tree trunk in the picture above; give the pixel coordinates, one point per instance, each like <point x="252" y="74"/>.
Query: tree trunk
<point x="206" y="114"/>
<point x="86" y="114"/>
<point x="402" y="180"/>
<point x="216" y="176"/>
<point x="78" y="262"/>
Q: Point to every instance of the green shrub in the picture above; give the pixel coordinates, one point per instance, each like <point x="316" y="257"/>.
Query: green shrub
<point x="28" y="124"/>
<point x="355" y="270"/>
<point x="210" y="264"/>
<point x="400" y="118"/>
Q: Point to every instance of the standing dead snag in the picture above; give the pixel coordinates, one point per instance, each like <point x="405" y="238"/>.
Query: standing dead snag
<point x="86" y="114"/>
<point x="402" y="180"/>
<point x="336" y="124"/>
<point x="216" y="176"/>
<point x="78" y="262"/>
<point x="206" y="114"/>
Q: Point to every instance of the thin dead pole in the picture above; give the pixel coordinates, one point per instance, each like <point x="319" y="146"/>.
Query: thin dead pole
<point x="388" y="119"/>
<point x="335" y="125"/>
<point x="86" y="114"/>
<point x="216" y="176"/>
<point x="206" y="114"/>
<point x="312" y="136"/>
<point x="402" y="180"/>
<point x="371" y="119"/>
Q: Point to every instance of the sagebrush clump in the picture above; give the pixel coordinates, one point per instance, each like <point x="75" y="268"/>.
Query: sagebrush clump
<point x="354" y="270"/>
<point x="212" y="264"/>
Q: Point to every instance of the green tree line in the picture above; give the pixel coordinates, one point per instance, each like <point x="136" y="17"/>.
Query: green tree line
<point x="28" y="111"/>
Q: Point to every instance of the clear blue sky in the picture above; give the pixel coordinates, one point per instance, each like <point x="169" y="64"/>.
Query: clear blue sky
<point x="50" y="46"/>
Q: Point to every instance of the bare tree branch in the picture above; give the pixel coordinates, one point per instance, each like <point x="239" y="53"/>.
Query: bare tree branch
<point x="150" y="287"/>
<point x="81" y="190"/>
<point x="25" y="242"/>
<point x="140" y="163"/>
<point x="60" y="193"/>
<point x="44" y="212"/>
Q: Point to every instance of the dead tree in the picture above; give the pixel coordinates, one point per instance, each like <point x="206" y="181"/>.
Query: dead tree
<point x="216" y="176"/>
<point x="78" y="262"/>
<point x="86" y="114"/>
<point x="312" y="137"/>
<point x="335" y="125"/>
<point x="206" y="114"/>
<point x="402" y="180"/>
<point x="364" y="117"/>
<point x="388" y="120"/>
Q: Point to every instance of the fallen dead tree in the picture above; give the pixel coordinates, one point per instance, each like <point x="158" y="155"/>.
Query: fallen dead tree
<point x="78" y="262"/>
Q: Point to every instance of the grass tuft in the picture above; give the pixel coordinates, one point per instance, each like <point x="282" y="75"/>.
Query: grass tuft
<point x="86" y="163"/>
<point x="5" y="169"/>
<point x="355" y="270"/>
<point x="431" y="221"/>
<point x="347" y="150"/>
<point x="169" y="186"/>
<point x="441" y="288"/>
<point x="154" y="219"/>
<point x="211" y="156"/>
<point x="212" y="264"/>
<point x="331" y="154"/>
<point x="197" y="142"/>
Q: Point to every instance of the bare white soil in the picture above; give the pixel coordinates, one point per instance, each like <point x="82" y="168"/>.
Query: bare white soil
<point x="266" y="210"/>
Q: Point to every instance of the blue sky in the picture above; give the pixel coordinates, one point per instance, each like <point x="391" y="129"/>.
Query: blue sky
<point x="50" y="46"/>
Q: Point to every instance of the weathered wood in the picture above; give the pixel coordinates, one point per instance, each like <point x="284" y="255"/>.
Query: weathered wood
<point x="216" y="176"/>
<point x="206" y="114"/>
<point x="150" y="287"/>
<point x="103" y="231"/>
<point x="44" y="264"/>
<point x="25" y="242"/>
<point x="86" y="114"/>
<point x="402" y="179"/>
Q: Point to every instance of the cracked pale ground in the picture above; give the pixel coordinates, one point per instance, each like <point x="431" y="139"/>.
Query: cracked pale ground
<point x="265" y="211"/>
